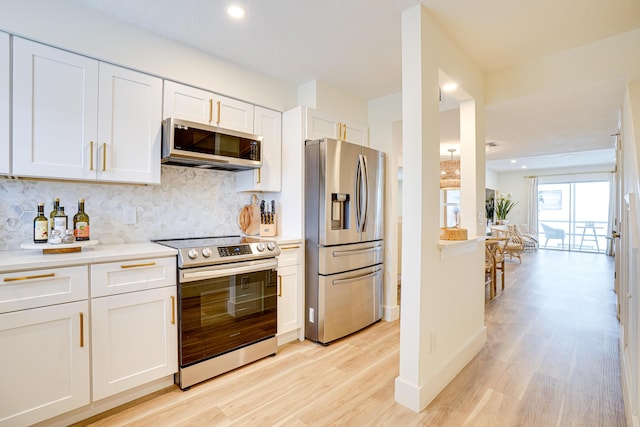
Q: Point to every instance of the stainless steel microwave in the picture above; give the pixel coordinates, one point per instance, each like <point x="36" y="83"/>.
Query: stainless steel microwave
<point x="186" y="143"/>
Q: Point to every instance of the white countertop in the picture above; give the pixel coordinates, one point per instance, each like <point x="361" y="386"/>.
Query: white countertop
<point x="27" y="259"/>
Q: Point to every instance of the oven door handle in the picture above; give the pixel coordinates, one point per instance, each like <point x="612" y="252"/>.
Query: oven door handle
<point x="223" y="271"/>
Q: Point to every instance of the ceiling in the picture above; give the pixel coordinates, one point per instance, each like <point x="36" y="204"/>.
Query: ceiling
<point x="356" y="45"/>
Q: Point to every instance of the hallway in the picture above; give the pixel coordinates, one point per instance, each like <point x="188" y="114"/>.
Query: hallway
<point x="551" y="360"/>
<point x="552" y="352"/>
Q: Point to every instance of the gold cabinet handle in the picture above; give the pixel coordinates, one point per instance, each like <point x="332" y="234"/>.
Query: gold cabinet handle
<point x="81" y="329"/>
<point x="210" y="110"/>
<point x="39" y="276"/>
<point x="90" y="155"/>
<point x="218" y="122"/>
<point x="284" y="248"/>
<point x="104" y="156"/>
<point x="173" y="310"/>
<point x="344" y="136"/>
<point x="147" y="264"/>
<point x="259" y="176"/>
<point x="280" y="289"/>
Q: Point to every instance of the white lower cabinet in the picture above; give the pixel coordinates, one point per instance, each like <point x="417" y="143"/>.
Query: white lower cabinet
<point x="291" y="293"/>
<point x="44" y="362"/>
<point x="64" y="346"/>
<point x="134" y="339"/>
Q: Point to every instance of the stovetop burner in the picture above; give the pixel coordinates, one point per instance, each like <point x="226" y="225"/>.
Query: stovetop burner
<point x="203" y="251"/>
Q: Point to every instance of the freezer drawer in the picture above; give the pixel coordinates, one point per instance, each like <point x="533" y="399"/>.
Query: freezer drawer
<point x="336" y="259"/>
<point x="348" y="302"/>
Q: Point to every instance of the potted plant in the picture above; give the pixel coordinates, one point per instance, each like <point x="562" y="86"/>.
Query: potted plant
<point x="504" y="204"/>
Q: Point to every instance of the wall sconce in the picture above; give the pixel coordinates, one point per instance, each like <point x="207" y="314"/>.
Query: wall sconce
<point x="450" y="172"/>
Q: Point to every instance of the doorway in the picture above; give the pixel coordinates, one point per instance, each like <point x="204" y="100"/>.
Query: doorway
<point x="574" y="216"/>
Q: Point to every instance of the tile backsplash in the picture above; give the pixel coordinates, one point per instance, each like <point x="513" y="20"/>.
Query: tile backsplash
<point x="190" y="202"/>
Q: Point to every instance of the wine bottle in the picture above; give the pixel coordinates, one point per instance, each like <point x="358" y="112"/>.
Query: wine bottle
<point x="60" y="220"/>
<point x="40" y="226"/>
<point x="56" y="203"/>
<point x="81" y="223"/>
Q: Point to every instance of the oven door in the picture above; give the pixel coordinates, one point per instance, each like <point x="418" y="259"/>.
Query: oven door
<point x="223" y="308"/>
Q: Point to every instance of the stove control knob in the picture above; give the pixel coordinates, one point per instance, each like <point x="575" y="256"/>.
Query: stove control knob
<point x="271" y="246"/>
<point x="260" y="247"/>
<point x="206" y="252"/>
<point x="193" y="253"/>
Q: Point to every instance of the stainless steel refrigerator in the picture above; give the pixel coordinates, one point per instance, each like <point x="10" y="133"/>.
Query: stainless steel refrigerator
<point x="344" y="225"/>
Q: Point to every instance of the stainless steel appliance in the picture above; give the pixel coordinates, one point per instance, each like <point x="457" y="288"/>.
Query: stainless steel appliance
<point x="188" y="143"/>
<point x="344" y="191"/>
<point x="227" y="304"/>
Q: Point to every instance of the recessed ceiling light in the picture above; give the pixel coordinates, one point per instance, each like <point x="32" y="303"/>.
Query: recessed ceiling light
<point x="449" y="87"/>
<point x="236" y="12"/>
<point x="514" y="161"/>
<point x="524" y="166"/>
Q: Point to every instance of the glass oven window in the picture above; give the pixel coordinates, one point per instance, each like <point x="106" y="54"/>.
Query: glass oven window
<point x="222" y="314"/>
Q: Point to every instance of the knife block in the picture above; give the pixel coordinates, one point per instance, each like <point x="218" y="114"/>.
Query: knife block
<point x="269" y="230"/>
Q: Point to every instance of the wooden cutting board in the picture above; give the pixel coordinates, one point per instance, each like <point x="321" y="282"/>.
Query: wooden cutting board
<point x="249" y="218"/>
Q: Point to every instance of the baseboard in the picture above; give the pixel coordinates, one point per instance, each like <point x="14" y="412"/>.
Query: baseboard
<point x="391" y="313"/>
<point x="417" y="397"/>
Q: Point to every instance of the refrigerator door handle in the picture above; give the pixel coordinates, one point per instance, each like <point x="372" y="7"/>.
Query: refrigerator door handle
<point x="365" y="193"/>
<point x="356" y="252"/>
<point x="361" y="193"/>
<point x="338" y="282"/>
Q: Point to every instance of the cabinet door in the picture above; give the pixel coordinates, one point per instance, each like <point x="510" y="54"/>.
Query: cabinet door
<point x="5" y="157"/>
<point x="135" y="339"/>
<point x="355" y="132"/>
<point x="55" y="112"/>
<point x="129" y="126"/>
<point x="187" y="103"/>
<point x="320" y="125"/>
<point x="290" y="293"/>
<point x="268" y="124"/>
<point x="232" y="114"/>
<point x="44" y="362"/>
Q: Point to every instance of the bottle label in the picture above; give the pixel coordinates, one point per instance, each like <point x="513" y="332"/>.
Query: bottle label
<point x="81" y="231"/>
<point x="60" y="223"/>
<point x="41" y="231"/>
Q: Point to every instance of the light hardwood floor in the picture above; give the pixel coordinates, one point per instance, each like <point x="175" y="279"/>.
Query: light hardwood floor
<point x="551" y="360"/>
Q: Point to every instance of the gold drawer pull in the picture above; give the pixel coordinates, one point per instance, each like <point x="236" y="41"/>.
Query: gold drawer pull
<point x="218" y="122"/>
<point x="284" y="248"/>
<point x="210" y="110"/>
<point x="173" y="310"/>
<point x="280" y="290"/>
<point x="39" y="276"/>
<point x="259" y="176"/>
<point x="148" y="264"/>
<point x="81" y="329"/>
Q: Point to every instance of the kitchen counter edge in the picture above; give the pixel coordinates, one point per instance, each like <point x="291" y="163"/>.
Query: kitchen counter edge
<point x="35" y="259"/>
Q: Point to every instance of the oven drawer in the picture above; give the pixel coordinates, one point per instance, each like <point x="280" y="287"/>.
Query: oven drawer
<point x="39" y="288"/>
<point x="132" y="275"/>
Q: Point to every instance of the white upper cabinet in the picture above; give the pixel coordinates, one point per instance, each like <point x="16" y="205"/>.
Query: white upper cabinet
<point x="55" y="112"/>
<point x="321" y="125"/>
<point x="5" y="165"/>
<point x="201" y="106"/>
<point x="268" y="124"/>
<point x="129" y="125"/>
<point x="77" y="118"/>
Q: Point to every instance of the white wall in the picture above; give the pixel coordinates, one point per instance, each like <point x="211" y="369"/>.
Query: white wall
<point x="383" y="114"/>
<point x="69" y="25"/>
<point x="433" y="348"/>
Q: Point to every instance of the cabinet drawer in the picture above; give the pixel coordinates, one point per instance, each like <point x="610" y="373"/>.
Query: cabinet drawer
<point x="39" y="288"/>
<point x="291" y="254"/>
<point x="133" y="275"/>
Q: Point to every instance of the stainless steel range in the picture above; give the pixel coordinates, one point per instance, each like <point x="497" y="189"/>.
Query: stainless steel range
<point x="227" y="304"/>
